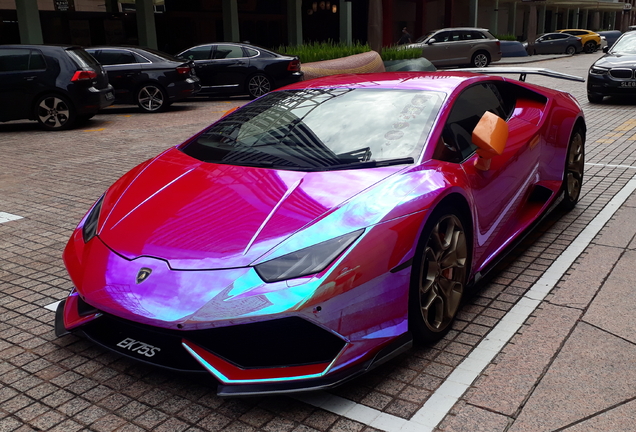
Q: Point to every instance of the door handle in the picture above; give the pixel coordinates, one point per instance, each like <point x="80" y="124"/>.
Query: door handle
<point x="29" y="78"/>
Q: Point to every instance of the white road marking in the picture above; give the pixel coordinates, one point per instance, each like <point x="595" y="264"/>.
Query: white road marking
<point x="7" y="217"/>
<point x="611" y="166"/>
<point x="53" y="306"/>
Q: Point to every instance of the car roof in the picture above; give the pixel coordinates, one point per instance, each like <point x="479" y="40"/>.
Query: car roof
<point x="444" y="81"/>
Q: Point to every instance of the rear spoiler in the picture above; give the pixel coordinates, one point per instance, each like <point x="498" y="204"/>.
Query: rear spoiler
<point x="523" y="71"/>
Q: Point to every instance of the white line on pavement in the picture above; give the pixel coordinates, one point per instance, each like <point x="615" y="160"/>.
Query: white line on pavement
<point x="611" y="166"/>
<point x="6" y="217"/>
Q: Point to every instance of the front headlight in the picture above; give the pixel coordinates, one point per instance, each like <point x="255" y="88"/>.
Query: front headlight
<point x="90" y="226"/>
<point x="596" y="70"/>
<point x="306" y="261"/>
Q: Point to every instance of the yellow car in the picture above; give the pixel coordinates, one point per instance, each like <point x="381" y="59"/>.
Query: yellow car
<point x="591" y="41"/>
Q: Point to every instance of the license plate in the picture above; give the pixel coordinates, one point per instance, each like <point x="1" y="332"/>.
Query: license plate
<point x="630" y="84"/>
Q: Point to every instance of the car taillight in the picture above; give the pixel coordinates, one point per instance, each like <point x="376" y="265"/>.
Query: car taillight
<point x="498" y="43"/>
<point x="84" y="75"/>
<point x="183" y="70"/>
<point x="294" y="66"/>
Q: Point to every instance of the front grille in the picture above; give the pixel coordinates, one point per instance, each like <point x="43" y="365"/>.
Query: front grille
<point x="621" y="73"/>
<point x="281" y="342"/>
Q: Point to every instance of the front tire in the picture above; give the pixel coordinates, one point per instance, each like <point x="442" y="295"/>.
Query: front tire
<point x="480" y="60"/>
<point x="590" y="47"/>
<point x="439" y="277"/>
<point x="152" y="98"/>
<point x="594" y="98"/>
<point x="574" y="167"/>
<point x="570" y="50"/>
<point x="54" y="112"/>
<point x="258" y="85"/>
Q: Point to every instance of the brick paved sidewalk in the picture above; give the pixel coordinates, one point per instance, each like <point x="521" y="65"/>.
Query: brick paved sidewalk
<point x="567" y="368"/>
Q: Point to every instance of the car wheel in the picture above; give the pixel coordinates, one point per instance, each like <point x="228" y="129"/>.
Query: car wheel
<point x="152" y="98"/>
<point x="570" y="50"/>
<point x="440" y="273"/>
<point x="574" y="167"/>
<point x="480" y="59"/>
<point x="590" y="47"/>
<point x="258" y="85"/>
<point x="54" y="112"/>
<point x="594" y="98"/>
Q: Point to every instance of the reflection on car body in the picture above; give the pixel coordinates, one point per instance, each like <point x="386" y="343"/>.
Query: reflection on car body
<point x="295" y="244"/>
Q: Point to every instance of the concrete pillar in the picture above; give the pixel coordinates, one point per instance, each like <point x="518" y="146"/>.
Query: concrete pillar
<point x="494" y="20"/>
<point x="541" y="22"/>
<point x="374" y="26"/>
<point x="512" y="18"/>
<point x="566" y="19"/>
<point x="586" y="17"/>
<point x="146" y="31"/>
<point x="473" y="12"/>
<point x="344" y="8"/>
<point x="294" y="22"/>
<point x="575" y="18"/>
<point x="596" y="21"/>
<point x="532" y="26"/>
<point x="230" y="21"/>
<point x="29" y="21"/>
<point x="555" y="21"/>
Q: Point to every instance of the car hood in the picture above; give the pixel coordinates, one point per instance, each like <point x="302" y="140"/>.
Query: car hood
<point x="617" y="60"/>
<point x="197" y="215"/>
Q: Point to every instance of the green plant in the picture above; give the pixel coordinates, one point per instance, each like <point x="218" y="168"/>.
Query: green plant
<point x="396" y="52"/>
<point x="317" y="51"/>
<point x="506" y="37"/>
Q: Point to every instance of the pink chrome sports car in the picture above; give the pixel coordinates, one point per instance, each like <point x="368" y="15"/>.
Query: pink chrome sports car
<point x="316" y="232"/>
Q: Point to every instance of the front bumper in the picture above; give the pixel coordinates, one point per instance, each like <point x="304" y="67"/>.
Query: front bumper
<point x="608" y="86"/>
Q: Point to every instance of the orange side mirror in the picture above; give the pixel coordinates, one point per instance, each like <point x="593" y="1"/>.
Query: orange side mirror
<point x="490" y="135"/>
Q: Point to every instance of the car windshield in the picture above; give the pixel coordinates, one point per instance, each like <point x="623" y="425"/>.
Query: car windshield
<point x="322" y="129"/>
<point x="626" y="44"/>
<point x="426" y="36"/>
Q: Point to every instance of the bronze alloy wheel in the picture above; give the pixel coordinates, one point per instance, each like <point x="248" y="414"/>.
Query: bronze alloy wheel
<point x="574" y="166"/>
<point x="440" y="278"/>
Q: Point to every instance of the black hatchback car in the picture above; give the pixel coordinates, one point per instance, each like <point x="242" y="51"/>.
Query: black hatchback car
<point x="614" y="74"/>
<point x="56" y="85"/>
<point x="234" y="68"/>
<point x="148" y="78"/>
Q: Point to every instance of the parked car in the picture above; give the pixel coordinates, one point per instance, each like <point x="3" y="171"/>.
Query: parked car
<point x="614" y="74"/>
<point x="58" y="86"/>
<point x="459" y="46"/>
<point x="556" y="43"/>
<point x="611" y="37"/>
<point x="285" y="247"/>
<point x="233" y="68"/>
<point x="151" y="79"/>
<point x="590" y="40"/>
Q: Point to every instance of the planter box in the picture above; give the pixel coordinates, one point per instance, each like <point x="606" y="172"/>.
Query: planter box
<point x="359" y="63"/>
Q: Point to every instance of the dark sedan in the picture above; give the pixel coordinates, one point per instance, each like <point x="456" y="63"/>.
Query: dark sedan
<point x="614" y="74"/>
<point x="557" y="43"/>
<point x="233" y="68"/>
<point x="148" y="78"/>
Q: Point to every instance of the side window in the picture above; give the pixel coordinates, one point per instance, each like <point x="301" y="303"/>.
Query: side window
<point x="442" y="36"/>
<point x="251" y="52"/>
<point x="13" y="60"/>
<point x="198" y="53"/>
<point x="228" y="52"/>
<point x="469" y="107"/>
<point x="455" y="36"/>
<point x="560" y="36"/>
<point x="116" y="57"/>
<point x="36" y="62"/>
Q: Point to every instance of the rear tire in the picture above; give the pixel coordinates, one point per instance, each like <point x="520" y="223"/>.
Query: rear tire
<point x="574" y="168"/>
<point x="440" y="273"/>
<point x="480" y="59"/>
<point x="54" y="112"/>
<point x="151" y="98"/>
<point x="571" y="49"/>
<point x="258" y="85"/>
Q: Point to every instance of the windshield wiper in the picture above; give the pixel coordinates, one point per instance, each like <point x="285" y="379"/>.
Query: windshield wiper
<point x="370" y="164"/>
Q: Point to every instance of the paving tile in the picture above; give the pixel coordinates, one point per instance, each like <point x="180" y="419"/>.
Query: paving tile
<point x="620" y="418"/>
<point x="614" y="307"/>
<point x="592" y="372"/>
<point x="474" y="419"/>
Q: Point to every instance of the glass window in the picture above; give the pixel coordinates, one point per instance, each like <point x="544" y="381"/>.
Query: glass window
<point x="560" y="36"/>
<point x="228" y="52"/>
<point x="442" y="36"/>
<point x="626" y="44"/>
<point x="468" y="109"/>
<point x="251" y="52"/>
<point x="115" y="57"/>
<point x="36" y="62"/>
<point x="83" y="58"/>
<point x="321" y="129"/>
<point x="12" y="60"/>
<point x="198" y="53"/>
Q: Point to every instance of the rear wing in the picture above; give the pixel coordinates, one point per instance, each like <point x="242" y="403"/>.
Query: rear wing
<point x="523" y="71"/>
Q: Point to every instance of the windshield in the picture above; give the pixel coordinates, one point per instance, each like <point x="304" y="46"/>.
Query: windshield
<point x="322" y="129"/>
<point x="626" y="44"/>
<point x="426" y="36"/>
